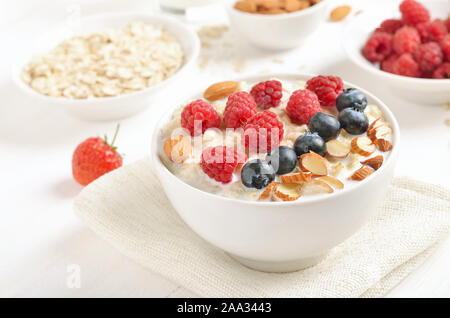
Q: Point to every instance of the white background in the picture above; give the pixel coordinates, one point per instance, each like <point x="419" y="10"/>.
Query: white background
<point x="39" y="234"/>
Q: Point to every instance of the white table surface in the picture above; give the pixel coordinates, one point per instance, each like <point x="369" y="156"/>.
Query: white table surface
<point x="39" y="234"/>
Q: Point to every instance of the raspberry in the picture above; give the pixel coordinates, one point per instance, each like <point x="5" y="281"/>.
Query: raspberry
<point x="432" y="31"/>
<point x="413" y="12"/>
<point x="199" y="116"/>
<point x="302" y="105"/>
<point x="220" y="162"/>
<point x="442" y="71"/>
<point x="240" y="107"/>
<point x="390" y="26"/>
<point x="445" y="46"/>
<point x="267" y="94"/>
<point x="327" y="88"/>
<point x="406" y="66"/>
<point x="447" y="24"/>
<point x="378" y="47"/>
<point x="429" y="56"/>
<point x="263" y="132"/>
<point x="388" y="64"/>
<point x="406" y="40"/>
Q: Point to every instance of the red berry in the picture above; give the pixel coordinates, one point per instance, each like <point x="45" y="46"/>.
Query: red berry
<point x="429" y="56"/>
<point x="406" y="40"/>
<point x="388" y="64"/>
<point x="422" y="29"/>
<point x="267" y="94"/>
<point x="93" y="158"/>
<point x="413" y="12"/>
<point x="445" y="47"/>
<point x="442" y="71"/>
<point x="405" y="65"/>
<point x="327" y="88"/>
<point x="302" y="105"/>
<point x="240" y="107"/>
<point x="390" y="26"/>
<point x="378" y="47"/>
<point x="220" y="162"/>
<point x="432" y="31"/>
<point x="263" y="132"/>
<point x="447" y="24"/>
<point x="199" y="116"/>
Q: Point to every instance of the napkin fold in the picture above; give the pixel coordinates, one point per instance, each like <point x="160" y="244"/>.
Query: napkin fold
<point x="128" y="208"/>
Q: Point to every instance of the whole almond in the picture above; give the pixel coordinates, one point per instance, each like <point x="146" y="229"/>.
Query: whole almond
<point x="246" y="6"/>
<point x="220" y="90"/>
<point x="340" y="13"/>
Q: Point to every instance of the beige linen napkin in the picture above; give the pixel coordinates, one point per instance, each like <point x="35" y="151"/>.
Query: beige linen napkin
<point x="129" y="209"/>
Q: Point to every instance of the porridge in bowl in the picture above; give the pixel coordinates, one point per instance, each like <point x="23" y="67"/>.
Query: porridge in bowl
<point x="276" y="140"/>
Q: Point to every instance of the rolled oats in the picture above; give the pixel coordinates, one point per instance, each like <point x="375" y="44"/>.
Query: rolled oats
<point x="107" y="63"/>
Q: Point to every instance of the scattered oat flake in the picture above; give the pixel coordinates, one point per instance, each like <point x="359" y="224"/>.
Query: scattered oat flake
<point x="239" y="65"/>
<point x="278" y="60"/>
<point x="446" y="106"/>
<point x="447" y="122"/>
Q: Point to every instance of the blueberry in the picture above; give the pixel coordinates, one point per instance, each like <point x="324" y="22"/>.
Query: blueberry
<point x="326" y="126"/>
<point x="257" y="174"/>
<point x="310" y="142"/>
<point x="351" y="98"/>
<point x="283" y="159"/>
<point x="353" y="121"/>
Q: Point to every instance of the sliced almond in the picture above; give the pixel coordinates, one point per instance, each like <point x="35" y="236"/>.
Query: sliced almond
<point x="335" y="183"/>
<point x="336" y="168"/>
<point x="268" y="191"/>
<point x="339" y="13"/>
<point x="287" y="191"/>
<point x="316" y="186"/>
<point x="382" y="132"/>
<point x="383" y="145"/>
<point x="363" y="146"/>
<point x="178" y="148"/>
<point x="296" y="178"/>
<point x="361" y="173"/>
<point x="220" y="90"/>
<point x="375" y="162"/>
<point x="337" y="148"/>
<point x="313" y="163"/>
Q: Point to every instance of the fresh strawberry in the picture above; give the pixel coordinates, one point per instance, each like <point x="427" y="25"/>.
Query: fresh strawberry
<point x="93" y="158"/>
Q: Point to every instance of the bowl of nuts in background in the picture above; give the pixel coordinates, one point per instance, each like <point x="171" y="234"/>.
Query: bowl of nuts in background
<point x="111" y="69"/>
<point x="276" y="24"/>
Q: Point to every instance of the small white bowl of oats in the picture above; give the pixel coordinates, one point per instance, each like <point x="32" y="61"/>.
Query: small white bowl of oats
<point x="110" y="67"/>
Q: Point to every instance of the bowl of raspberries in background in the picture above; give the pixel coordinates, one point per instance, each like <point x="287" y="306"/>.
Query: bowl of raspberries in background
<point x="409" y="51"/>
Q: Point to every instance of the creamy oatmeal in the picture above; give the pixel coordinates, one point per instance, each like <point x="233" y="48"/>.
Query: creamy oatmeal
<point x="349" y="158"/>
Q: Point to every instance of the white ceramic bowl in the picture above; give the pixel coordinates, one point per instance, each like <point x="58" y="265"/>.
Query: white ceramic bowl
<point x="109" y="108"/>
<point x="416" y="90"/>
<point x="277" y="236"/>
<point x="277" y="31"/>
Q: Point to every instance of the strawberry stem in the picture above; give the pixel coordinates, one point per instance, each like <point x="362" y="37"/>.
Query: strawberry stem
<point x="115" y="135"/>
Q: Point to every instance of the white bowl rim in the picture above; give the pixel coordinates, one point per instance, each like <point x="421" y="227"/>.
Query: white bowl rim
<point x="170" y="20"/>
<point x="372" y="68"/>
<point x="304" y="200"/>
<point x="283" y="16"/>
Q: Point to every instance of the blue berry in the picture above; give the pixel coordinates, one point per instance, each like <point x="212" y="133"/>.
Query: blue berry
<point x="353" y="121"/>
<point x="257" y="174"/>
<point x="351" y="98"/>
<point x="310" y="142"/>
<point x="283" y="159"/>
<point x="326" y="126"/>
